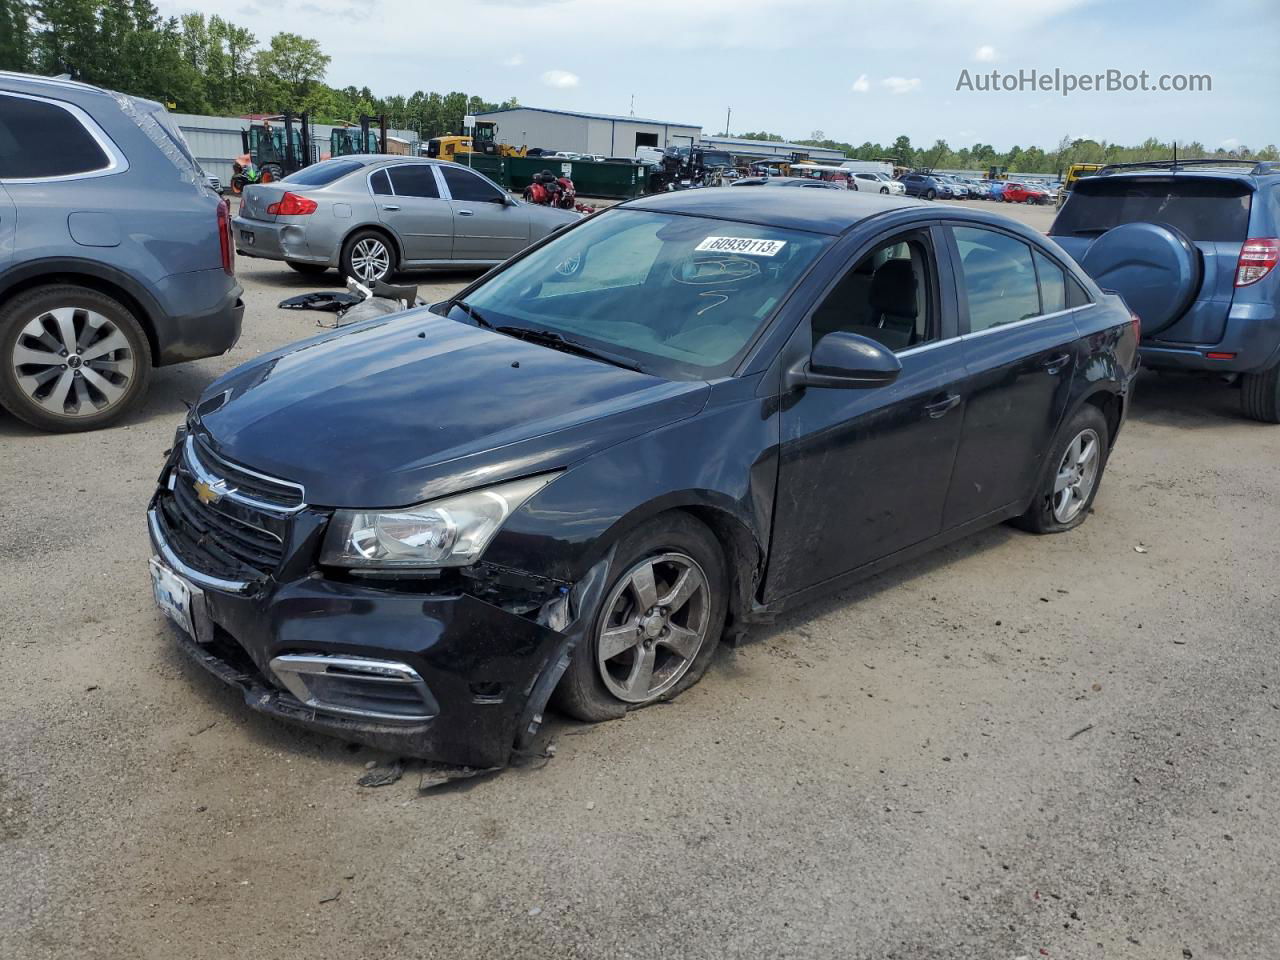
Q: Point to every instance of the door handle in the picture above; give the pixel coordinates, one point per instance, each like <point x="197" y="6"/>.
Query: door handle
<point x="1054" y="364"/>
<point x="466" y="213"/>
<point x="390" y="206"/>
<point x="940" y="408"/>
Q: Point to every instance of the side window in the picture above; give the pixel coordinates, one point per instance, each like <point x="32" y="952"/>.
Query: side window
<point x="998" y="277"/>
<point x="414" y="180"/>
<point x="1077" y="296"/>
<point x="464" y="185"/>
<point x="381" y="184"/>
<point x="42" y="139"/>
<point x="1053" y="284"/>
<point x="886" y="297"/>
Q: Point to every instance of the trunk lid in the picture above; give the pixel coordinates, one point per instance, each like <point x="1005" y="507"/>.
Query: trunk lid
<point x="255" y="200"/>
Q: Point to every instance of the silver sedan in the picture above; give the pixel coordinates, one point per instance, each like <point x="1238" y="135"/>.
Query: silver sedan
<point x="370" y="216"/>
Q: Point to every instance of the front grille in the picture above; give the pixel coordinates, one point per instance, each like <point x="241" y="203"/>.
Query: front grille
<point x="231" y="537"/>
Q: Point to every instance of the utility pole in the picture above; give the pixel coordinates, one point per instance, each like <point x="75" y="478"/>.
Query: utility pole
<point x="727" y="114"/>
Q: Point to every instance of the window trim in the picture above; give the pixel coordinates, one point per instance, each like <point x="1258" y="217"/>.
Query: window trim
<point x="443" y="182"/>
<point x="388" y="167"/>
<point x="117" y="162"/>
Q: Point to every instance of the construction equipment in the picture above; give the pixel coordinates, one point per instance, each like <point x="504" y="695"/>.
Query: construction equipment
<point x="351" y="138"/>
<point x="484" y="141"/>
<point x="1074" y="173"/>
<point x="275" y="147"/>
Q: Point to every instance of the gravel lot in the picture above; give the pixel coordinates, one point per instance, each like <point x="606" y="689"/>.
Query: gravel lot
<point x="1020" y="746"/>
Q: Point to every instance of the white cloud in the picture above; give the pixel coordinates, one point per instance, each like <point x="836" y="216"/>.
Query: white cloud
<point x="515" y="60"/>
<point x="900" y="84"/>
<point x="985" y="53"/>
<point x="861" y="85"/>
<point x="560" y="79"/>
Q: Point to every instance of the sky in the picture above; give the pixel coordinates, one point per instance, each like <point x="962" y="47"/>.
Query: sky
<point x="866" y="70"/>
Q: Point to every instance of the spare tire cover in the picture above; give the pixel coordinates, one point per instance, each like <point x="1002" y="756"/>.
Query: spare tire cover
<point x="1154" y="266"/>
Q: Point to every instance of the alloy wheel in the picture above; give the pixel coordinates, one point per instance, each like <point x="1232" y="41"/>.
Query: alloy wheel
<point x="370" y="260"/>
<point x="655" y="622"/>
<point x="1076" y="476"/>
<point x="73" y="362"/>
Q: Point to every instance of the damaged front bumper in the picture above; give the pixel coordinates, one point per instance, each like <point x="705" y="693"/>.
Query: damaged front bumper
<point x="457" y="671"/>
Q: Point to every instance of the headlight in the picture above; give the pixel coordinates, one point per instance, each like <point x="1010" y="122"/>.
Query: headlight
<point x="450" y="532"/>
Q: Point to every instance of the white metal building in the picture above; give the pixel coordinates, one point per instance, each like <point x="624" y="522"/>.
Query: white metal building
<point x="216" y="141"/>
<point x="602" y="133"/>
<point x="770" y="149"/>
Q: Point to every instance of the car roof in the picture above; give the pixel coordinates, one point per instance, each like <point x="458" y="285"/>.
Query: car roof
<point x="829" y="212"/>
<point x="1240" y="171"/>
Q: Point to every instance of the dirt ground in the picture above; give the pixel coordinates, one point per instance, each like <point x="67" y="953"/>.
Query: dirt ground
<point x="1018" y="747"/>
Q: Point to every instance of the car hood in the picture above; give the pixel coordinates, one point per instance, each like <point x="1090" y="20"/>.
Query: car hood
<point x="403" y="409"/>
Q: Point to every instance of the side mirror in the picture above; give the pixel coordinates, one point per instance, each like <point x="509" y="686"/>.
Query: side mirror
<point x="845" y="361"/>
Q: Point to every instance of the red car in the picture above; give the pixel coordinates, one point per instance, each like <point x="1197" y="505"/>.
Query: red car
<point x="1021" y="193"/>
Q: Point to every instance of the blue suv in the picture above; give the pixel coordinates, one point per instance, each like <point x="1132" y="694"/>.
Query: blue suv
<point x="926" y="186"/>
<point x="1192" y="247"/>
<point x="115" y="253"/>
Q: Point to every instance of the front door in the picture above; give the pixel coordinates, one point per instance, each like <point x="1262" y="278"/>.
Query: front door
<point x="409" y="202"/>
<point x="487" y="226"/>
<point x="1020" y="353"/>
<point x="864" y="473"/>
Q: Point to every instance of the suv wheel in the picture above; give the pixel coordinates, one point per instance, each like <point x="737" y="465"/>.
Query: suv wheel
<point x="71" y="358"/>
<point x="367" y="256"/>
<point x="931" y="194"/>
<point x="1261" y="395"/>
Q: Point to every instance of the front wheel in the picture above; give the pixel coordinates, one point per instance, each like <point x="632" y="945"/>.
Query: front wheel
<point x="884" y="189"/>
<point x="71" y="358"/>
<point x="1071" y="475"/>
<point x="238" y="183"/>
<point x="659" y="624"/>
<point x="931" y="194"/>
<point x="1260" y="395"/>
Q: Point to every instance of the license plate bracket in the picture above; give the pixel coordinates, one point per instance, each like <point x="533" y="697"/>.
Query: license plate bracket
<point x="181" y="601"/>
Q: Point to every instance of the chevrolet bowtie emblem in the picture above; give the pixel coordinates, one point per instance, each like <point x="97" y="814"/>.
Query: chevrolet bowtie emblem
<point x="209" y="493"/>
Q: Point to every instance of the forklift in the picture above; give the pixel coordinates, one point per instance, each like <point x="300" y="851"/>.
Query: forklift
<point x="351" y="139"/>
<point x="275" y="148"/>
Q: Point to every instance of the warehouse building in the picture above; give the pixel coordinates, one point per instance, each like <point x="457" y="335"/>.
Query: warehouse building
<point x="770" y="149"/>
<point x="602" y="133"/>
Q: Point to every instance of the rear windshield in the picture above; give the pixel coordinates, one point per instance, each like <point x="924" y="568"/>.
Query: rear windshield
<point x="1206" y="210"/>
<point x="324" y="172"/>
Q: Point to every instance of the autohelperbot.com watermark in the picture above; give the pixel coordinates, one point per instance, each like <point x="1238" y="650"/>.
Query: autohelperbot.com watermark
<point x="1065" y="82"/>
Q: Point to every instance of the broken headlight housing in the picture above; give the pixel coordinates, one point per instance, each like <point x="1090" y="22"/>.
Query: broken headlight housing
<point x="450" y="532"/>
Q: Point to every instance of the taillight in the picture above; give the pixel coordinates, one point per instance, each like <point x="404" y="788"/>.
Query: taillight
<point x="1137" y="326"/>
<point x="1257" y="257"/>
<point x="226" y="247"/>
<point x="292" y="205"/>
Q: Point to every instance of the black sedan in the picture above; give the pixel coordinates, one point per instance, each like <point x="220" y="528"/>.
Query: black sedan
<point x="674" y="418"/>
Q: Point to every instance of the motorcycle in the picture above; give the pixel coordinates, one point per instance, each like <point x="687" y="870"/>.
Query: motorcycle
<point x="551" y="191"/>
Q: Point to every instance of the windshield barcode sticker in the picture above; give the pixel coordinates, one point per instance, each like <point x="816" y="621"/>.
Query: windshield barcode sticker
<point x="749" y="245"/>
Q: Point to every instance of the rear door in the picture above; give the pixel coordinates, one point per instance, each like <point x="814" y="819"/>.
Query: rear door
<point x="486" y="225"/>
<point x="1019" y="345"/>
<point x="409" y="202"/>
<point x="1213" y="212"/>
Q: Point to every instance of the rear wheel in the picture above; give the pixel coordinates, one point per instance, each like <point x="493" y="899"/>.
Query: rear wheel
<point x="308" y="269"/>
<point x="659" y="624"/>
<point x="931" y="194"/>
<point x="1071" y="475"/>
<point x="367" y="257"/>
<point x="1260" y="395"/>
<point x="71" y="358"/>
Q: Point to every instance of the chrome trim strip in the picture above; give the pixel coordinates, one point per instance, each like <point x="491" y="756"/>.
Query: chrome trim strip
<point x="1018" y="323"/>
<point x="195" y="576"/>
<point x="292" y="669"/>
<point x="117" y="162"/>
<point x="192" y="458"/>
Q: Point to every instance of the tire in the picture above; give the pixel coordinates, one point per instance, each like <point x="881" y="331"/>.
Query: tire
<point x="671" y="546"/>
<point x="271" y="172"/>
<point x="931" y="194"/>
<point x="65" y="322"/>
<point x="884" y="190"/>
<point x="238" y="183"/>
<point x="1260" y="395"/>
<point x="360" y="258"/>
<point x="1050" y="512"/>
<point x="308" y="269"/>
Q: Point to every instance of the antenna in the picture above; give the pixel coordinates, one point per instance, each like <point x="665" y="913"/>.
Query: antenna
<point x="633" y="105"/>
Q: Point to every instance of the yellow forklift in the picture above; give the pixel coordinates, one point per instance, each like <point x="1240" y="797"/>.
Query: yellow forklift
<point x="483" y="140"/>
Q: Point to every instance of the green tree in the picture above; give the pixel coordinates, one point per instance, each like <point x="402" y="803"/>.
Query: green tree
<point x="15" y="35"/>
<point x="292" y="64"/>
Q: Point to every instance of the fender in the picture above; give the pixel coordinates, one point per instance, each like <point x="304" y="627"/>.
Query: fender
<point x="50" y="269"/>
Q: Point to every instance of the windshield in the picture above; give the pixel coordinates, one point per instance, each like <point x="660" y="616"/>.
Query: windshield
<point x="1208" y="210"/>
<point x="680" y="297"/>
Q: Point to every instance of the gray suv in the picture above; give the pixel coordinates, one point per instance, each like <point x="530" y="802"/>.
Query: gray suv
<point x="115" y="254"/>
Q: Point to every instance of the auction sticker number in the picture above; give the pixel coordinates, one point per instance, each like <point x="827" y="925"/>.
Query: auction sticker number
<point x="748" y="245"/>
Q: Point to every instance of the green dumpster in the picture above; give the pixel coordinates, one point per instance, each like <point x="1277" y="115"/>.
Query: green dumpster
<point x="591" y="178"/>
